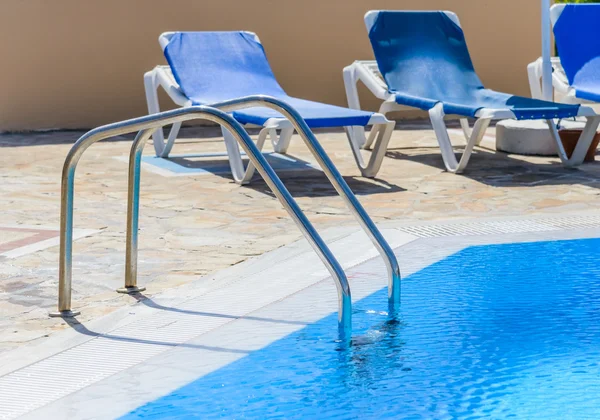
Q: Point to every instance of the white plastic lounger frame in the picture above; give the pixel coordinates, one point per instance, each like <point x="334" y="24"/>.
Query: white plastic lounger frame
<point x="368" y="73"/>
<point x="279" y="130"/>
<point x="560" y="90"/>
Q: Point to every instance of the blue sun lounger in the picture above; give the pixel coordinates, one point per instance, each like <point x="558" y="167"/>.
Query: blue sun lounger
<point x="424" y="63"/>
<point x="211" y="67"/>
<point x="576" y="76"/>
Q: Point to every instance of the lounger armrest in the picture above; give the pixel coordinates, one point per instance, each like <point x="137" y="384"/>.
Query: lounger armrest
<point x="378" y="119"/>
<point x="562" y="91"/>
<point x="367" y="72"/>
<point x="164" y="77"/>
<point x="586" y="111"/>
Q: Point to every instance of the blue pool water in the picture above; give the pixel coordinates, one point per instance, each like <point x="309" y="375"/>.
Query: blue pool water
<point x="502" y="331"/>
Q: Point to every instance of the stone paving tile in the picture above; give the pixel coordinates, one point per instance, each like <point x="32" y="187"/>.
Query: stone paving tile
<point x="195" y="225"/>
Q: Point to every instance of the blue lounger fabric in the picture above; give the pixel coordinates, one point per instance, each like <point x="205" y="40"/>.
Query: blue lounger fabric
<point x="212" y="67"/>
<point x="577" y="36"/>
<point x="424" y="59"/>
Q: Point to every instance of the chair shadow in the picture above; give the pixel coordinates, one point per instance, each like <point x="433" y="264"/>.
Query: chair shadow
<point x="81" y="328"/>
<point x="217" y="163"/>
<point x="499" y="169"/>
<point x="299" y="176"/>
<point x="314" y="183"/>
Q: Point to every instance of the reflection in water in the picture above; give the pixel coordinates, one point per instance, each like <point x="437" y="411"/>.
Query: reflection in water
<point x="360" y="360"/>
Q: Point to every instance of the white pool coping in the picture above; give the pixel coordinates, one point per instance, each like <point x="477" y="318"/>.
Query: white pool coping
<point x="140" y="353"/>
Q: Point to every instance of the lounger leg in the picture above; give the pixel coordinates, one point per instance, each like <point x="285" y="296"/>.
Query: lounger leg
<point x="583" y="144"/>
<point x="368" y="145"/>
<point x="250" y="169"/>
<point x="384" y="109"/>
<point x="235" y="157"/>
<point x="466" y="128"/>
<point x="560" y="150"/>
<point x="534" y="73"/>
<point x="439" y="126"/>
<point x="171" y="140"/>
<point x="153" y="108"/>
<point x="475" y="140"/>
<point x="357" y="134"/>
<point x="281" y="142"/>
<point x="161" y="149"/>
<point x="585" y="140"/>
<point x="240" y="175"/>
<point x="359" y="138"/>
<point x="384" y="134"/>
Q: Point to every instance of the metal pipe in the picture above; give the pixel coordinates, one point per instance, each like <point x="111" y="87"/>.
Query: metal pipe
<point x="133" y="208"/>
<point x="547" y="84"/>
<point x="340" y="185"/>
<point x="148" y="124"/>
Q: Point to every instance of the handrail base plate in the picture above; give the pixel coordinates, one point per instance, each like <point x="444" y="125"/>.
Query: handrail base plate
<point x="64" y="314"/>
<point x="131" y="290"/>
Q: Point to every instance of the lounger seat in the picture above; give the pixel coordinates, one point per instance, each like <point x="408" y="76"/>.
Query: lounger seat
<point x="213" y="67"/>
<point x="210" y="67"/>
<point x="423" y="62"/>
<point x="471" y="103"/>
<point x="577" y="35"/>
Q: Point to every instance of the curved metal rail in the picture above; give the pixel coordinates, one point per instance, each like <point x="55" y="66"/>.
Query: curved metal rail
<point x="145" y="126"/>
<point x="340" y="185"/>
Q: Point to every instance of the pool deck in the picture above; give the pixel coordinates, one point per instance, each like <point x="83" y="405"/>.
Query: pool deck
<point x="202" y="234"/>
<point x="107" y="367"/>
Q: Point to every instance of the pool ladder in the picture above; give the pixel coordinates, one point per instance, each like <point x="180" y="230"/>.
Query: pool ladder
<point x="217" y="113"/>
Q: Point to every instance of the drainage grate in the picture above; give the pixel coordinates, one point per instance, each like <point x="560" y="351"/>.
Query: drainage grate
<point x="503" y="226"/>
<point x="578" y="222"/>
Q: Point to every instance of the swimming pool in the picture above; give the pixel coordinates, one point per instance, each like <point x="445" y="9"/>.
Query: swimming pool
<point x="498" y="331"/>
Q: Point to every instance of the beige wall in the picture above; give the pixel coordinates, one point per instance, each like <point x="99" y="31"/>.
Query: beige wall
<point x="79" y="63"/>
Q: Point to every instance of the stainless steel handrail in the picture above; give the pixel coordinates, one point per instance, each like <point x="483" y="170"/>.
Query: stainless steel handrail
<point x="342" y="188"/>
<point x="146" y="125"/>
<point x="334" y="176"/>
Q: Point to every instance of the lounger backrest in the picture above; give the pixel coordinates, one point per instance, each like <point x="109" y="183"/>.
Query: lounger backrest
<point x="423" y="54"/>
<point x="577" y="33"/>
<point x="215" y="66"/>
